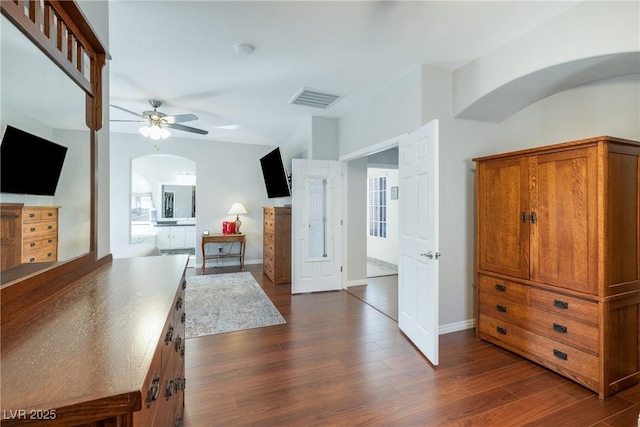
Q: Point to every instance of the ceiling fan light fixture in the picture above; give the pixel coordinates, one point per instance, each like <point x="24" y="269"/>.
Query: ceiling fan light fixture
<point x="144" y="131"/>
<point x="164" y="133"/>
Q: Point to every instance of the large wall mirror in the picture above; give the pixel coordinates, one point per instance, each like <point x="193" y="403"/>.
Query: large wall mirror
<point x="54" y="96"/>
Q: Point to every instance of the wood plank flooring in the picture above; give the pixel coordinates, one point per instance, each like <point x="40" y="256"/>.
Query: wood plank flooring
<point x="337" y="362"/>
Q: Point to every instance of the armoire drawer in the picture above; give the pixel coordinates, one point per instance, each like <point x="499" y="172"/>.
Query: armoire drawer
<point x="503" y="288"/>
<point x="584" y="310"/>
<point x="551" y="325"/>
<point x="31" y="215"/>
<point x="578" y="365"/>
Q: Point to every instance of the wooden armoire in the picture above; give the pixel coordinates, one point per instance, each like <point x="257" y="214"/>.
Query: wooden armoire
<point x="558" y="258"/>
<point x="276" y="251"/>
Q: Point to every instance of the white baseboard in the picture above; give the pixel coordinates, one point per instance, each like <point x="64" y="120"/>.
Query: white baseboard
<point x="458" y="326"/>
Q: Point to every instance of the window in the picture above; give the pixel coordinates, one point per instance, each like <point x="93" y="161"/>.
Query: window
<point x="377" y="206"/>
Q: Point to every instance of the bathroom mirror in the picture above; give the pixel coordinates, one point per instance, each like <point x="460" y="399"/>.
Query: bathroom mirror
<point x="177" y="201"/>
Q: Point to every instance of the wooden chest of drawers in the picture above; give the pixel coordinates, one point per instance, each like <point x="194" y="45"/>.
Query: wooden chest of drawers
<point x="39" y="234"/>
<point x="276" y="249"/>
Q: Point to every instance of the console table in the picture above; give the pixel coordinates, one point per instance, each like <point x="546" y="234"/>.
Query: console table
<point x="223" y="238"/>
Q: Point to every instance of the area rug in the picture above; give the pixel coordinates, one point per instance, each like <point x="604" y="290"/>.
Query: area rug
<point x="218" y="303"/>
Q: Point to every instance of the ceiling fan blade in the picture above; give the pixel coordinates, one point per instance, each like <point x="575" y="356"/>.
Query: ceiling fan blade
<point x="180" y="118"/>
<point x="128" y="111"/>
<point x="187" y="129"/>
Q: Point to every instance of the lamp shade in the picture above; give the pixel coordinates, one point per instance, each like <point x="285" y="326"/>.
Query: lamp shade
<point x="237" y="209"/>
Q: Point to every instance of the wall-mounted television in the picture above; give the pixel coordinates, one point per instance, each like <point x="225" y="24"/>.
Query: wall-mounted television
<point x="275" y="177"/>
<point x="29" y="164"/>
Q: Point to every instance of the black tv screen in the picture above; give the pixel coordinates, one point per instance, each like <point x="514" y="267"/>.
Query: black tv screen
<point x="275" y="177"/>
<point x="29" y="164"/>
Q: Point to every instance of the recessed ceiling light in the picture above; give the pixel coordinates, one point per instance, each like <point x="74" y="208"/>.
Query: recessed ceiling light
<point x="244" y="48"/>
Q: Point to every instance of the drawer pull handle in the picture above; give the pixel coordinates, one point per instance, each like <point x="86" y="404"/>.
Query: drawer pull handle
<point x="154" y="388"/>
<point x="501" y="308"/>
<point x="560" y="355"/>
<point x="50" y="240"/>
<point x="179" y="304"/>
<point x="49" y="254"/>
<point x="169" y="337"/>
<point x="560" y="304"/>
<point x="31" y="215"/>
<point x="32" y="244"/>
<point x="169" y="392"/>
<point x="49" y="213"/>
<point x="178" y="343"/>
<point x="501" y="330"/>
<point x="183" y="317"/>
<point x="33" y="229"/>
<point x="50" y="227"/>
<point x="523" y="217"/>
<point x="32" y="259"/>
<point x="184" y="284"/>
<point x="501" y="288"/>
<point x="559" y="328"/>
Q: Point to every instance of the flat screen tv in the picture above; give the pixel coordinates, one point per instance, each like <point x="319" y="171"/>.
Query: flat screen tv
<point x="29" y="164"/>
<point x="275" y="177"/>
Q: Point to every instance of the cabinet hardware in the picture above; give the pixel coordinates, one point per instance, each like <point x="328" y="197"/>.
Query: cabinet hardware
<point x="50" y="227"/>
<point x="523" y="217"/>
<point x="179" y="304"/>
<point x="501" y="288"/>
<point x="183" y="317"/>
<point x="184" y="284"/>
<point x="501" y="308"/>
<point x="31" y="215"/>
<point x="179" y="422"/>
<point x="533" y="218"/>
<point x="560" y="304"/>
<point x="32" y="259"/>
<point x="49" y="213"/>
<point x="154" y="388"/>
<point x="32" y="244"/>
<point x="178" y="343"/>
<point x="169" y="337"/>
<point x="501" y="330"/>
<point x="559" y="328"/>
<point x="560" y="355"/>
<point x="169" y="391"/>
<point x="32" y="229"/>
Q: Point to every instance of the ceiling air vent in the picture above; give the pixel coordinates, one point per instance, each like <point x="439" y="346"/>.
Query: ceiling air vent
<point x="314" y="98"/>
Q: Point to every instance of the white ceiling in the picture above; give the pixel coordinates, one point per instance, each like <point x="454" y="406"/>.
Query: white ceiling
<point x="182" y="52"/>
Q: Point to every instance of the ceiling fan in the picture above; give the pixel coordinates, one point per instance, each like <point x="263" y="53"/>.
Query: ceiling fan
<point x="158" y="122"/>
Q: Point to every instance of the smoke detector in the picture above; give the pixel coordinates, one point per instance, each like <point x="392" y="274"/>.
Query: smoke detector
<point x="244" y="48"/>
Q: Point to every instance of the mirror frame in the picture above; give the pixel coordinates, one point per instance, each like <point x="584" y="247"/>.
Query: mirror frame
<point x="61" y="31"/>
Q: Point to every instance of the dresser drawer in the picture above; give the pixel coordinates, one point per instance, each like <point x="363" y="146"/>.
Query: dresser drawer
<point x="569" y="361"/>
<point x="584" y="310"/>
<point x="554" y="326"/>
<point x="268" y="242"/>
<point x="36" y="245"/>
<point x="31" y="214"/>
<point x="45" y="255"/>
<point x="503" y="289"/>
<point x="39" y="229"/>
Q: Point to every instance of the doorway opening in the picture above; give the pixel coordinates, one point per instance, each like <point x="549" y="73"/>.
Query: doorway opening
<point x="163" y="204"/>
<point x="382" y="213"/>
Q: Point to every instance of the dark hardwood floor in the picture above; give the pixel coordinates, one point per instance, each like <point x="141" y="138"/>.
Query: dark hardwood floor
<point x="380" y="292"/>
<point x="337" y="362"/>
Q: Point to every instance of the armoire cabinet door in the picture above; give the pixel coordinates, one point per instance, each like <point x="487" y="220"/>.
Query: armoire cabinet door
<point x="503" y="224"/>
<point x="564" y="234"/>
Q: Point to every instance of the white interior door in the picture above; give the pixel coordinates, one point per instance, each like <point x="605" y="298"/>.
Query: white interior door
<point x="418" y="255"/>
<point x="316" y="220"/>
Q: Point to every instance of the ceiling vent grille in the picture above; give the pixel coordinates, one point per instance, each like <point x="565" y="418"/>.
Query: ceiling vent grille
<point x="314" y="98"/>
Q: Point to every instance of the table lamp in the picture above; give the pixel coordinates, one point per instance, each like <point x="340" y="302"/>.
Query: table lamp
<point x="237" y="209"/>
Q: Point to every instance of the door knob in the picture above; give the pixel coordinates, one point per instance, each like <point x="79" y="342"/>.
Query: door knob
<point x="431" y="255"/>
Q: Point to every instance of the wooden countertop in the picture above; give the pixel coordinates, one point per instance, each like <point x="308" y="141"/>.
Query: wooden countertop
<point x="87" y="350"/>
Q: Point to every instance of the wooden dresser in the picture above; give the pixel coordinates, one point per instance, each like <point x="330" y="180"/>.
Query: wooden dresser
<point x="107" y="351"/>
<point x="558" y="258"/>
<point x="39" y="234"/>
<point x="30" y="234"/>
<point x="276" y="258"/>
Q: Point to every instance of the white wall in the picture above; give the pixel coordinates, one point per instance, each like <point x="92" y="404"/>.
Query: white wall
<point x="604" y="107"/>
<point x="226" y="173"/>
<point x="386" y="249"/>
